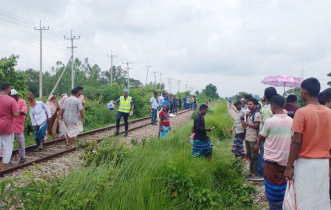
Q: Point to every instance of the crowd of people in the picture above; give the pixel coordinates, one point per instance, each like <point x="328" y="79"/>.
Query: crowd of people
<point x="65" y="117"/>
<point x="284" y="142"/>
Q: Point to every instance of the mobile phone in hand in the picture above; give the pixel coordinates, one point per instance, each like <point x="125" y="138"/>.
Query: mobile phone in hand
<point x="212" y="128"/>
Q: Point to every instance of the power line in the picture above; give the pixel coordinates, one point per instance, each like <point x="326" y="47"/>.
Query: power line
<point x="72" y="38"/>
<point x="41" y="29"/>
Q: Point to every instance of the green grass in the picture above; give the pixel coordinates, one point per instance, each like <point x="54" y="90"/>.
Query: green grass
<point x="159" y="174"/>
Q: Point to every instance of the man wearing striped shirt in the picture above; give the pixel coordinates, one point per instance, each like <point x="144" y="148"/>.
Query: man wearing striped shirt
<point x="277" y="134"/>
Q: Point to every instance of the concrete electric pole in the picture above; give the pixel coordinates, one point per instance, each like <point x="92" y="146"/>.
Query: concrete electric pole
<point x="147" y="74"/>
<point x="160" y="80"/>
<point x="41" y="29"/>
<point x="154" y="72"/>
<point x="72" y="38"/>
<point x="128" y="69"/>
<point x="178" y="83"/>
<point x="111" y="66"/>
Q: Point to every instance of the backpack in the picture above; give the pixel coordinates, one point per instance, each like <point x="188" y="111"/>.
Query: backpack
<point x="253" y="115"/>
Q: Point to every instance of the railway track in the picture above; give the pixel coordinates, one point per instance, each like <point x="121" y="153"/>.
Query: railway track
<point x="234" y="108"/>
<point x="58" y="147"/>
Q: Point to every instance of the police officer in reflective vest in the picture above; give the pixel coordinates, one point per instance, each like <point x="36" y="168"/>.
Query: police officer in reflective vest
<point x="125" y="110"/>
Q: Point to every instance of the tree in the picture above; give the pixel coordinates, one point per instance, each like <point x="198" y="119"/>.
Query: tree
<point x="297" y="93"/>
<point x="329" y="75"/>
<point x="17" y="79"/>
<point x="211" y="91"/>
<point x="197" y="92"/>
<point x="32" y="81"/>
<point x="239" y="96"/>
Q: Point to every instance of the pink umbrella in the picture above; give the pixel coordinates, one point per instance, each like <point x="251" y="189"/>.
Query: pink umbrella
<point x="283" y="81"/>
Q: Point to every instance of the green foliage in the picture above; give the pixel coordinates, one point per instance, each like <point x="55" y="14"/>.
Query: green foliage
<point x="109" y="152"/>
<point x="159" y="174"/>
<point x="17" y="79"/>
<point x="297" y="92"/>
<point x="239" y="96"/>
<point x="211" y="91"/>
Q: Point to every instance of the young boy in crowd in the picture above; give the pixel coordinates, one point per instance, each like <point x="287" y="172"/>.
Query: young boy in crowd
<point x="237" y="147"/>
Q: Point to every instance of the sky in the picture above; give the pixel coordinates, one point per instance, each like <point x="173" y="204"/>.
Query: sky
<point x="232" y="44"/>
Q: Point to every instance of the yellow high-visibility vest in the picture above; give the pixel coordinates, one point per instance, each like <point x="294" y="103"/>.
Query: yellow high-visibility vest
<point x="261" y="104"/>
<point x="125" y="105"/>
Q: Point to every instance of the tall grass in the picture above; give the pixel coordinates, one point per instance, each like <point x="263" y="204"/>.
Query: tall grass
<point x="159" y="174"/>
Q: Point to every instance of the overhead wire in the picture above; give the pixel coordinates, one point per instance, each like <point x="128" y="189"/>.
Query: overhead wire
<point x="55" y="31"/>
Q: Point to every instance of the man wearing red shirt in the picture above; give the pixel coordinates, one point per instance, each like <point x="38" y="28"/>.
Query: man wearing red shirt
<point x="8" y="110"/>
<point x="19" y="125"/>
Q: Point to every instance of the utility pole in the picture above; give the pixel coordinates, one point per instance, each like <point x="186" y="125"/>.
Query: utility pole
<point x="147" y="74"/>
<point x="111" y="65"/>
<point x="302" y="73"/>
<point x="154" y="72"/>
<point x="178" y="83"/>
<point x="186" y="87"/>
<point x="72" y="38"/>
<point x="41" y="29"/>
<point x="169" y="84"/>
<point x="160" y="80"/>
<point x="128" y="69"/>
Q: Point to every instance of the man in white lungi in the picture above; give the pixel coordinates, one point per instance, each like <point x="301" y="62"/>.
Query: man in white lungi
<point x="8" y="110"/>
<point x="72" y="125"/>
<point x="310" y="150"/>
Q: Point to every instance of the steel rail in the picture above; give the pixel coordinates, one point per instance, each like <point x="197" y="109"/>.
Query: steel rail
<point x="48" y="157"/>
<point x="58" y="140"/>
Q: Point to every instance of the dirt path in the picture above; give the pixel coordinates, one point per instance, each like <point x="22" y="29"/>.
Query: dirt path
<point x="258" y="185"/>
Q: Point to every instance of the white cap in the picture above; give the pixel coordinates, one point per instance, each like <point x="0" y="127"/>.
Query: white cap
<point x="13" y="92"/>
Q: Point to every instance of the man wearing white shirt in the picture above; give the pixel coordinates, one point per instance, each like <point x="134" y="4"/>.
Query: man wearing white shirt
<point x="39" y="113"/>
<point x="153" y="107"/>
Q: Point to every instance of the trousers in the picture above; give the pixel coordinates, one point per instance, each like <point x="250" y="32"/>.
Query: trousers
<point x="20" y="139"/>
<point x="154" y="115"/>
<point x="253" y="156"/>
<point x="125" y="117"/>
